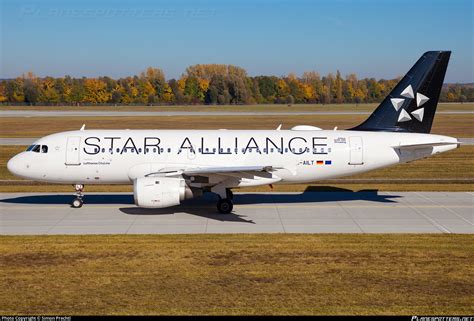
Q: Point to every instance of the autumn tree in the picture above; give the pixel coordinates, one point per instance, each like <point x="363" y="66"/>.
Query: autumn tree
<point x="238" y="90"/>
<point x="152" y="85"/>
<point x="31" y="88"/>
<point x="338" y="88"/>
<point x="268" y="86"/>
<point x="3" y="93"/>
<point x="95" y="91"/>
<point x="15" y="90"/>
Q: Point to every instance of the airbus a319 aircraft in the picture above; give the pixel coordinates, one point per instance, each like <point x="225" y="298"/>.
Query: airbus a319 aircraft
<point x="168" y="166"/>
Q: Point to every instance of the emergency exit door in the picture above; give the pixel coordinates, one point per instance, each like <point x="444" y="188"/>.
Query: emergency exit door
<point x="357" y="151"/>
<point x="72" y="151"/>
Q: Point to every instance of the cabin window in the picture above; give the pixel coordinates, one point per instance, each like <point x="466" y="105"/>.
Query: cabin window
<point x="118" y="150"/>
<point x="140" y="150"/>
<point x="154" y="150"/>
<point x="103" y="150"/>
<point x="169" y="150"/>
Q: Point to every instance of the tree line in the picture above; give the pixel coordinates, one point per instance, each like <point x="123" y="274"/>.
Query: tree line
<point x="211" y="84"/>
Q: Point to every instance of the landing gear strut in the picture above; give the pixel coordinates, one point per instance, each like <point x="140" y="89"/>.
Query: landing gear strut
<point x="77" y="202"/>
<point x="229" y="194"/>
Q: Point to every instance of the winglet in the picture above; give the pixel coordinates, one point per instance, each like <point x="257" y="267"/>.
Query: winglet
<point x="83" y="127"/>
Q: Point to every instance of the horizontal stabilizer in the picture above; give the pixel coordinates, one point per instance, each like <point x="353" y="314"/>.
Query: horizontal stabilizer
<point x="425" y="145"/>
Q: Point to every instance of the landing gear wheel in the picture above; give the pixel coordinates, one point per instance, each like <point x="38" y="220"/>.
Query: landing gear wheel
<point x="77" y="203"/>
<point x="225" y="206"/>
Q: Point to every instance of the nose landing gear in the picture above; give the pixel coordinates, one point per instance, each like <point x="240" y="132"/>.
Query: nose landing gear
<point x="77" y="202"/>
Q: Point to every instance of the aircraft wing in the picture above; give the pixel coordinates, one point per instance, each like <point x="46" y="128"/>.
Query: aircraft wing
<point x="211" y="170"/>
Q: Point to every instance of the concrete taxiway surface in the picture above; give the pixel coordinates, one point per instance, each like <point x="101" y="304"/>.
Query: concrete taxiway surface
<point x="29" y="141"/>
<point x="312" y="212"/>
<point x="92" y="113"/>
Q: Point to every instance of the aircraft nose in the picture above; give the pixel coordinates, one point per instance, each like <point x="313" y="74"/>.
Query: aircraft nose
<point x="16" y="165"/>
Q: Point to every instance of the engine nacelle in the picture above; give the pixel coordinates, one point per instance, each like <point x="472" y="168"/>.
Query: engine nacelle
<point x="159" y="192"/>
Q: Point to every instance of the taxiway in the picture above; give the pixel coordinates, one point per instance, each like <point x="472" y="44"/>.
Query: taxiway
<point x="311" y="212"/>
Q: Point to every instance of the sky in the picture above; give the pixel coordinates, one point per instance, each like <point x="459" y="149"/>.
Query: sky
<point x="372" y="38"/>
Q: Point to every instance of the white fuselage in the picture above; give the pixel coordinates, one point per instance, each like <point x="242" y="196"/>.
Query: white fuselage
<point x="119" y="156"/>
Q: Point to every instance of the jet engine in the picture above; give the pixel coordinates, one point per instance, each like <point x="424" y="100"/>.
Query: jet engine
<point x="159" y="192"/>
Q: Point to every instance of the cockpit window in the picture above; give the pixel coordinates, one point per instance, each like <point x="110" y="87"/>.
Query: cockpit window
<point x="38" y="148"/>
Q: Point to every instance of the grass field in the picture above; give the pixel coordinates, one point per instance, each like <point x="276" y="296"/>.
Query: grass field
<point x="445" y="172"/>
<point x="237" y="108"/>
<point x="237" y="274"/>
<point x="457" y="125"/>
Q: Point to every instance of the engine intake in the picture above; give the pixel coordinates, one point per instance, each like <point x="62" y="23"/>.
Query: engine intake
<point x="159" y="192"/>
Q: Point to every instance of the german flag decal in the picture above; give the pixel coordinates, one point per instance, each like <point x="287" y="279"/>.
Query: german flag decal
<point x="323" y="162"/>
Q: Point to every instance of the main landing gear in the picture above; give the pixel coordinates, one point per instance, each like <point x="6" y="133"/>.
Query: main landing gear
<point x="77" y="202"/>
<point x="225" y="205"/>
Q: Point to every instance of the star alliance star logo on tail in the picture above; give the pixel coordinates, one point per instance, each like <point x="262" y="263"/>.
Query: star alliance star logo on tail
<point x="404" y="116"/>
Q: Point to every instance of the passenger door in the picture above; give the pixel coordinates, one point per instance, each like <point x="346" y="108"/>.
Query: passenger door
<point x="356" y="151"/>
<point x="72" y="151"/>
